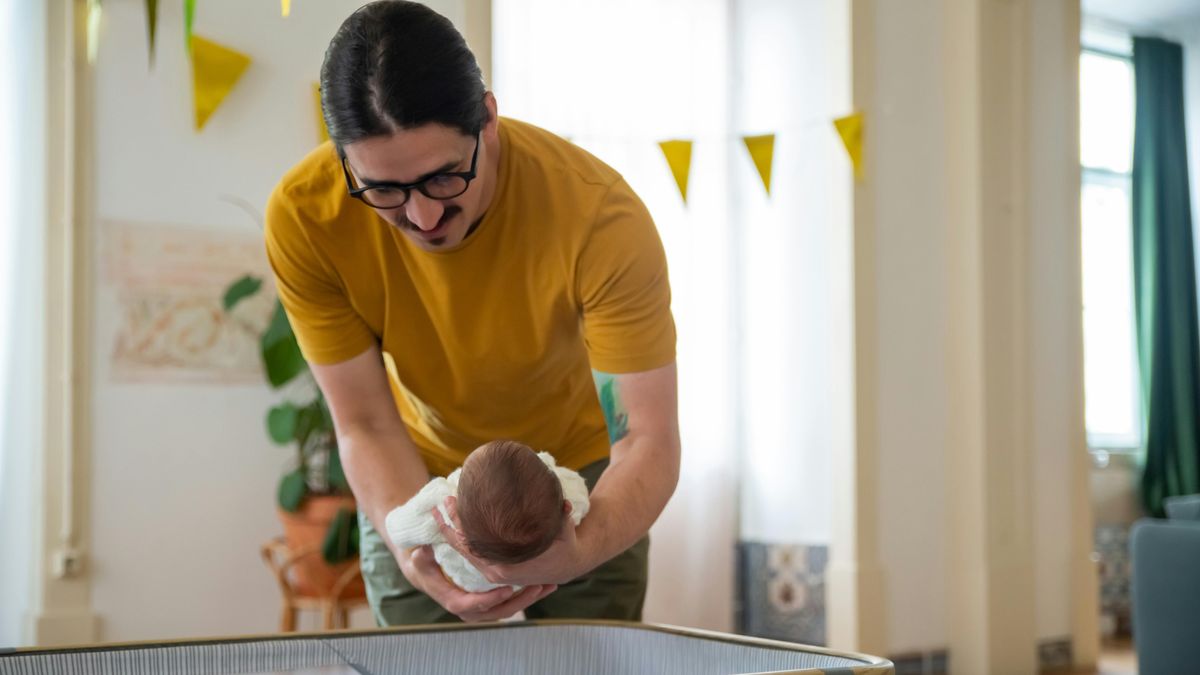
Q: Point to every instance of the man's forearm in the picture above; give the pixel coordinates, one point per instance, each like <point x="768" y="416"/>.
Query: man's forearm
<point x="384" y="469"/>
<point x="630" y="495"/>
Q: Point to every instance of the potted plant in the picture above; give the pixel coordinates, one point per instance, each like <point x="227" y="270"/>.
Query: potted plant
<point x="315" y="504"/>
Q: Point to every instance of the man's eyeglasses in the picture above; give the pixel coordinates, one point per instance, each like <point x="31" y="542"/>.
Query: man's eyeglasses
<point x="394" y="195"/>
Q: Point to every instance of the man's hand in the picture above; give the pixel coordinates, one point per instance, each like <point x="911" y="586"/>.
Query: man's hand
<point x="424" y="573"/>
<point x="563" y="561"/>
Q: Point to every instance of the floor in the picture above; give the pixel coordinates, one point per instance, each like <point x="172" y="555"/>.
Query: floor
<point x="1116" y="658"/>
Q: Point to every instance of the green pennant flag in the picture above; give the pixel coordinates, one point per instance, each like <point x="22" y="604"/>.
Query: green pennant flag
<point x="151" y="25"/>
<point x="189" y="17"/>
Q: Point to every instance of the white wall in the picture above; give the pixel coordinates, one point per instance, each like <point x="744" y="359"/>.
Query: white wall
<point x="907" y="127"/>
<point x="183" y="475"/>
<point x="22" y="252"/>
<point x="1054" y="289"/>
<point x="917" y="269"/>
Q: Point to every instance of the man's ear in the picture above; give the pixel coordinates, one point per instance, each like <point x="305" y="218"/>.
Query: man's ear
<point x="493" y="113"/>
<point x="566" y="507"/>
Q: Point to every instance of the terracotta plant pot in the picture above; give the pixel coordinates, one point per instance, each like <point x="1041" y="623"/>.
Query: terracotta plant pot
<point x="304" y="531"/>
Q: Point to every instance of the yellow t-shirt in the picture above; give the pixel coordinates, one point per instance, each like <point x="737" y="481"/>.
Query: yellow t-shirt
<point x="497" y="337"/>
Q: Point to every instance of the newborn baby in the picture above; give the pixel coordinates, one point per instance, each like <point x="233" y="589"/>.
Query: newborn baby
<point x="509" y="503"/>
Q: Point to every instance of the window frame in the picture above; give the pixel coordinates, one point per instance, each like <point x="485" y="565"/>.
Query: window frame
<point x="1129" y="443"/>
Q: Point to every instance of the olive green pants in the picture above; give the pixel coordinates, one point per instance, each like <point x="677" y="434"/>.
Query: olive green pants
<point x="614" y="590"/>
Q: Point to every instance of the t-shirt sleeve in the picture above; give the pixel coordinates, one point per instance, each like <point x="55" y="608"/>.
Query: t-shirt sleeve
<point x="623" y="288"/>
<point x="327" y="327"/>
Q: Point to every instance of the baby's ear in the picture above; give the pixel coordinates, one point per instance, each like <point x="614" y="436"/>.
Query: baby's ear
<point x="566" y="507"/>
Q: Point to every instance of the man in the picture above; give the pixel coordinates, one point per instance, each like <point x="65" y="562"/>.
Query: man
<point x="454" y="278"/>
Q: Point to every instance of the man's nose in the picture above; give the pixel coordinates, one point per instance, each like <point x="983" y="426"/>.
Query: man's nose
<point x="423" y="211"/>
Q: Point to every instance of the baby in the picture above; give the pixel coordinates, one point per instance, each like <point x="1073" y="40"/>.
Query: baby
<point x="510" y="505"/>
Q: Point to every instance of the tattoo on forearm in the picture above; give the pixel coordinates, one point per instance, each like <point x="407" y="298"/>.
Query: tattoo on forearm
<point x="615" y="416"/>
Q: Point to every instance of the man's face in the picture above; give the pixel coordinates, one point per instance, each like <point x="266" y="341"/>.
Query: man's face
<point x="411" y="155"/>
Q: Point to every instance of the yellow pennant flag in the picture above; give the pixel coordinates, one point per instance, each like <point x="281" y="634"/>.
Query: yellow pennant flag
<point x="215" y="69"/>
<point x="762" y="151"/>
<point x="679" y="158"/>
<point x="850" y="128"/>
<point x="323" y="131"/>
<point x="285" y="7"/>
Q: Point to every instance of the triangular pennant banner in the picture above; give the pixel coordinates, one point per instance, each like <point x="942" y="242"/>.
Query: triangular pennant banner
<point x="762" y="151"/>
<point x="215" y="69"/>
<point x="151" y="25"/>
<point x="323" y="131"/>
<point x="679" y="158"/>
<point x="189" y="18"/>
<point x="285" y="6"/>
<point x="93" y="29"/>
<point x="850" y="128"/>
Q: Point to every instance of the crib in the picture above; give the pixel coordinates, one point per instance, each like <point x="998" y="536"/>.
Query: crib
<point x="518" y="648"/>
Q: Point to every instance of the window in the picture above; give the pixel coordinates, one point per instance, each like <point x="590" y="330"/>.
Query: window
<point x="1113" y="408"/>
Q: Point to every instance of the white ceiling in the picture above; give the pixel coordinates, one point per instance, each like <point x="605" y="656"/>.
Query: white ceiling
<point x="1143" y="13"/>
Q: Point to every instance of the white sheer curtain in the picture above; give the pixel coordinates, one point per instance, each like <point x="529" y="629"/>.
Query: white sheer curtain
<point x="22" y="73"/>
<point x="793" y="77"/>
<point x="616" y="77"/>
<point x="760" y="285"/>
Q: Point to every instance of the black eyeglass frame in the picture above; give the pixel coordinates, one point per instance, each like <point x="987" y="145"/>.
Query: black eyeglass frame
<point x="419" y="186"/>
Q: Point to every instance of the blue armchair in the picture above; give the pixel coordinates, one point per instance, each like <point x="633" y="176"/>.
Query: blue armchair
<point x="1166" y="589"/>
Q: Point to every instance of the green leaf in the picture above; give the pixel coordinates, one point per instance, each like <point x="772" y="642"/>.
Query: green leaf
<point x="280" y="352"/>
<point x="308" y="421"/>
<point x="281" y="423"/>
<point x="291" y="491"/>
<point x="339" y="538"/>
<point x="240" y="290"/>
<point x="337" y="476"/>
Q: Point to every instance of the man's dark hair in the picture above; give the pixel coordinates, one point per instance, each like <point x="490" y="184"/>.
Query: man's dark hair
<point x="397" y="65"/>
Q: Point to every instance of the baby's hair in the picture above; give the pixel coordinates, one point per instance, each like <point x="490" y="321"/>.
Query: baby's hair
<point x="510" y="503"/>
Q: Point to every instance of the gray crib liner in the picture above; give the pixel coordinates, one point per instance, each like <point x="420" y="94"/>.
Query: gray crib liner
<point x="516" y="649"/>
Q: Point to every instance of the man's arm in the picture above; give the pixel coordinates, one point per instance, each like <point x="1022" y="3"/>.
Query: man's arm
<point x="630" y="494"/>
<point x="385" y="469"/>
<point x="644" y="469"/>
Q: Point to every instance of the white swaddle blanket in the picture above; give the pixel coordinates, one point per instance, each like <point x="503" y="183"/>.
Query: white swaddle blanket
<point x="413" y="523"/>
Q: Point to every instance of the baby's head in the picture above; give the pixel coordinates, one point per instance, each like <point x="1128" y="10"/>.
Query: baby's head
<point x="510" y="504"/>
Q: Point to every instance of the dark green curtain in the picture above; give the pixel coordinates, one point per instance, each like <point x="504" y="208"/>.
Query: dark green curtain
<point x="1165" y="277"/>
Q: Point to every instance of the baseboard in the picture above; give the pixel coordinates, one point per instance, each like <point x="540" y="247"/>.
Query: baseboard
<point x="54" y="629"/>
<point x="932" y="662"/>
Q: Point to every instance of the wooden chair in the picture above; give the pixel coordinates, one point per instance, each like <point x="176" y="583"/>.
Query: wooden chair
<point x="335" y="609"/>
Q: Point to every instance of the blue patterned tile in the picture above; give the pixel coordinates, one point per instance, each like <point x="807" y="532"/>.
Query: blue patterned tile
<point x="1112" y="549"/>
<point x="782" y="591"/>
